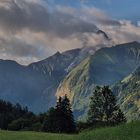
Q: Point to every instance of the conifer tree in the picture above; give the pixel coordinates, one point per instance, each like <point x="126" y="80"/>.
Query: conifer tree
<point x="60" y="119"/>
<point x="69" y="126"/>
<point x="103" y="107"/>
<point x="50" y="122"/>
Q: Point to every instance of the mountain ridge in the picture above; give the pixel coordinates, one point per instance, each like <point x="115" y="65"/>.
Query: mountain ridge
<point x="33" y="85"/>
<point x="105" y="67"/>
<point x="37" y="84"/>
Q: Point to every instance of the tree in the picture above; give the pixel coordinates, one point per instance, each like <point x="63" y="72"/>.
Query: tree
<point x="11" y="115"/>
<point x="51" y="121"/>
<point x="95" y="112"/>
<point x="68" y="121"/>
<point x="60" y="119"/>
<point x="118" y="117"/>
<point x="20" y="124"/>
<point x="103" y="107"/>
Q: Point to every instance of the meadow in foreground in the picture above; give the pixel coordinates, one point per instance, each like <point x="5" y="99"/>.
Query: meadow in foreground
<point x="130" y="131"/>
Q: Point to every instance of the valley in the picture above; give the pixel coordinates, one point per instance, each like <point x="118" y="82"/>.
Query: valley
<point x="73" y="73"/>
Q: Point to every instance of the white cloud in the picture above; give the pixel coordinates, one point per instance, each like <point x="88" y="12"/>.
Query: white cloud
<point x="126" y="32"/>
<point x="30" y="31"/>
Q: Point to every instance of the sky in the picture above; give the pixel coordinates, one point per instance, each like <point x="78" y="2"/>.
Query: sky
<point x="32" y="30"/>
<point x="128" y="9"/>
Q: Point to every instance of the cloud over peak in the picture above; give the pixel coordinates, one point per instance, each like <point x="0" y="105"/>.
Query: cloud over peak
<point x="31" y="30"/>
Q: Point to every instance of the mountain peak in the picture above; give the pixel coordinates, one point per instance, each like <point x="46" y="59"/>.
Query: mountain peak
<point x="135" y="42"/>
<point x="129" y="44"/>
<point x="57" y="53"/>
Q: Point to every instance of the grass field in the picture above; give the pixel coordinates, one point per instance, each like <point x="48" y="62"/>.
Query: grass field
<point x="129" y="131"/>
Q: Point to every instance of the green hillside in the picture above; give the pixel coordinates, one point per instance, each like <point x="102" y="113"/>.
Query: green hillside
<point x="129" y="131"/>
<point x="106" y="67"/>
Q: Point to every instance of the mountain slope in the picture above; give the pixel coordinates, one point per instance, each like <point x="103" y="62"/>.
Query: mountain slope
<point x="128" y="94"/>
<point x="110" y="65"/>
<point x="34" y="85"/>
<point x="76" y="85"/>
<point x="106" y="67"/>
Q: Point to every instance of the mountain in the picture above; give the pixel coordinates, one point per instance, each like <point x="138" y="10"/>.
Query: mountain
<point x="128" y="94"/>
<point x="34" y="85"/>
<point x="106" y="67"/>
<point x="73" y="72"/>
<point x="83" y="54"/>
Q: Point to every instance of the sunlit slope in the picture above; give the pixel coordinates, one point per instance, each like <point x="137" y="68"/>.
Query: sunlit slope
<point x="128" y="91"/>
<point x="106" y="67"/>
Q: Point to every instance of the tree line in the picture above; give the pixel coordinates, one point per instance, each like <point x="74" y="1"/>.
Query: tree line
<point x="103" y="111"/>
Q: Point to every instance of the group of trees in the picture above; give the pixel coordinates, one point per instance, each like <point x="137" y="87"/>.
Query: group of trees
<point x="14" y="117"/>
<point x="103" y="107"/>
<point x="102" y="110"/>
<point x="60" y="119"/>
<point x="57" y="120"/>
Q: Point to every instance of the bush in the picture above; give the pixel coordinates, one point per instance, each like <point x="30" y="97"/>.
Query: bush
<point x="19" y="124"/>
<point x="37" y="127"/>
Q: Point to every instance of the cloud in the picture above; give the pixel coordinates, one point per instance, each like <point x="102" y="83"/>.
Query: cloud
<point x="31" y="30"/>
<point x="126" y="32"/>
<point x="35" y="17"/>
<point x="90" y="15"/>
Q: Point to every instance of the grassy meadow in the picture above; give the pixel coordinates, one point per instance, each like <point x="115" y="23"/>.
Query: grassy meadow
<point x="130" y="131"/>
